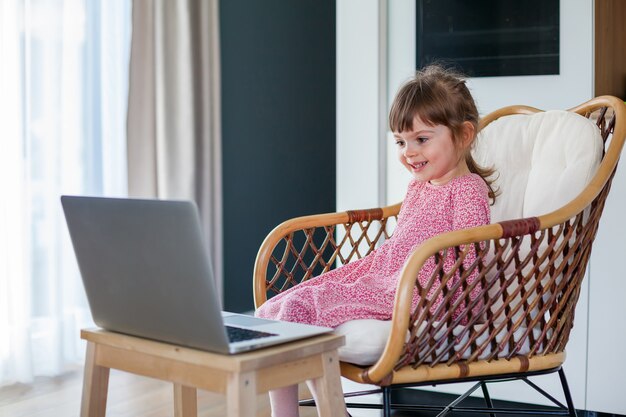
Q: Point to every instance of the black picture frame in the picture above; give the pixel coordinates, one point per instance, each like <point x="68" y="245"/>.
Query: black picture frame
<point x="487" y="38"/>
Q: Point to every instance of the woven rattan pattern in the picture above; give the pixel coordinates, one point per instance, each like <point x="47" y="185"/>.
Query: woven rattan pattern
<point x="529" y="284"/>
<point x="307" y="253"/>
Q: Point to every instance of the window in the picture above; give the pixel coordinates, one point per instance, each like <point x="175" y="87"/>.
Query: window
<point x="62" y="126"/>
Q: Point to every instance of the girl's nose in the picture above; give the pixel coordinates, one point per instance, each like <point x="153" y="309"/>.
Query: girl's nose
<point x="410" y="150"/>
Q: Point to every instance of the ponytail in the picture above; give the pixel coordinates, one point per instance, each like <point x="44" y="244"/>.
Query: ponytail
<point x="485" y="174"/>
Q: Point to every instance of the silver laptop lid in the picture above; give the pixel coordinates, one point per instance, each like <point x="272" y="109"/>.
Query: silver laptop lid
<point x="145" y="269"/>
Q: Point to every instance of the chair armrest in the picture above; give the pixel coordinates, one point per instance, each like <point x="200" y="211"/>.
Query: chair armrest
<point x="371" y="229"/>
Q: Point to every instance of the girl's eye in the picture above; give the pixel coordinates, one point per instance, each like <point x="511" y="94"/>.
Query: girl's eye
<point x="422" y="139"/>
<point x="400" y="142"/>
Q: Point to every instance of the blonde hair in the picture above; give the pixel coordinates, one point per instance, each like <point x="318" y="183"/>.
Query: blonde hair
<point x="439" y="96"/>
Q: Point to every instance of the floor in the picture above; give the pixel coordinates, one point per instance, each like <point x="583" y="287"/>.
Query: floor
<point x="136" y="396"/>
<point x="129" y="395"/>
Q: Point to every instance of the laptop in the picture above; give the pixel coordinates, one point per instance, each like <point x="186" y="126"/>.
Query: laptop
<point x="146" y="272"/>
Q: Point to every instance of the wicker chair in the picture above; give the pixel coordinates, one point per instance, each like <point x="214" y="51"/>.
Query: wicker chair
<point x="529" y="270"/>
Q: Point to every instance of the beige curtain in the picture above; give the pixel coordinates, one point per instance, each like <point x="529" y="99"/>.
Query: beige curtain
<point x="174" y="109"/>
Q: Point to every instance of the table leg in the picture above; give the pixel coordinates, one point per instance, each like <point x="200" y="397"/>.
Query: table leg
<point x="185" y="401"/>
<point x="330" y="402"/>
<point x="95" y="385"/>
<point x="241" y="395"/>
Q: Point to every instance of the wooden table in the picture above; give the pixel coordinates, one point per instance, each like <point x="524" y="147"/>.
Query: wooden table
<point x="240" y="377"/>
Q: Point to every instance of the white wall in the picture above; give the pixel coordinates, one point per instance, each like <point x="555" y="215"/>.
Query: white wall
<point x="360" y="73"/>
<point x="400" y="67"/>
<point x="606" y="373"/>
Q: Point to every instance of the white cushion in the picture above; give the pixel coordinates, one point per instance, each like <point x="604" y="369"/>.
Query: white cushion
<point x="543" y="161"/>
<point x="365" y="340"/>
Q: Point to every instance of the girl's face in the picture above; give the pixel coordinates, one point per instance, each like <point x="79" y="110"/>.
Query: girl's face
<point x="429" y="153"/>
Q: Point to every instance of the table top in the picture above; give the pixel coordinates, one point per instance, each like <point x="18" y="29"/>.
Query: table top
<point x="238" y="362"/>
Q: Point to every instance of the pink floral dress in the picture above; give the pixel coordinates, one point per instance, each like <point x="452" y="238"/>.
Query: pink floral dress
<point x="365" y="289"/>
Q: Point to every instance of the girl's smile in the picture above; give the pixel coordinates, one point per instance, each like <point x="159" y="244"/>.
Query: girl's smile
<point x="417" y="166"/>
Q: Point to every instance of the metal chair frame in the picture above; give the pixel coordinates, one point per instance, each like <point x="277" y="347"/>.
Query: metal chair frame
<point x="560" y="409"/>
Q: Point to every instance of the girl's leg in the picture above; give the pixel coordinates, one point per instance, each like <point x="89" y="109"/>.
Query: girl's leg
<point x="284" y="401"/>
<point x="314" y="394"/>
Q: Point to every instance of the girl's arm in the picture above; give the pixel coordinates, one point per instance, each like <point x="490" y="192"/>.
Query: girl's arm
<point x="471" y="209"/>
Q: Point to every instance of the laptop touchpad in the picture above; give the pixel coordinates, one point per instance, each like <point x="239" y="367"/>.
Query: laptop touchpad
<point x="239" y="320"/>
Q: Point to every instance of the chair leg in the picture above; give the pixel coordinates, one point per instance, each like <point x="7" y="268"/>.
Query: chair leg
<point x="487" y="398"/>
<point x="568" y="395"/>
<point x="386" y="401"/>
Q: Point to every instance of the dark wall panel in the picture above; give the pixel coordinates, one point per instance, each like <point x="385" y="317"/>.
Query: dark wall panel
<point x="278" y="121"/>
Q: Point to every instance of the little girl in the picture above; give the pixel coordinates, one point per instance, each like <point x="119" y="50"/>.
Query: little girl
<point x="435" y="121"/>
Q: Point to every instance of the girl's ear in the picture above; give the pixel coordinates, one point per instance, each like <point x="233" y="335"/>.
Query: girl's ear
<point x="468" y="132"/>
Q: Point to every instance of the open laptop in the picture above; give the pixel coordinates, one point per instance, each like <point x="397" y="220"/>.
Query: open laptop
<point x="146" y="272"/>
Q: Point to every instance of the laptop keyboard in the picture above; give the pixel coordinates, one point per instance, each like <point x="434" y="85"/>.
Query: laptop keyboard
<point x="237" y="334"/>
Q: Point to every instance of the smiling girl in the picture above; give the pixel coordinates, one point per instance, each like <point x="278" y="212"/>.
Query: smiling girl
<point x="434" y="121"/>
